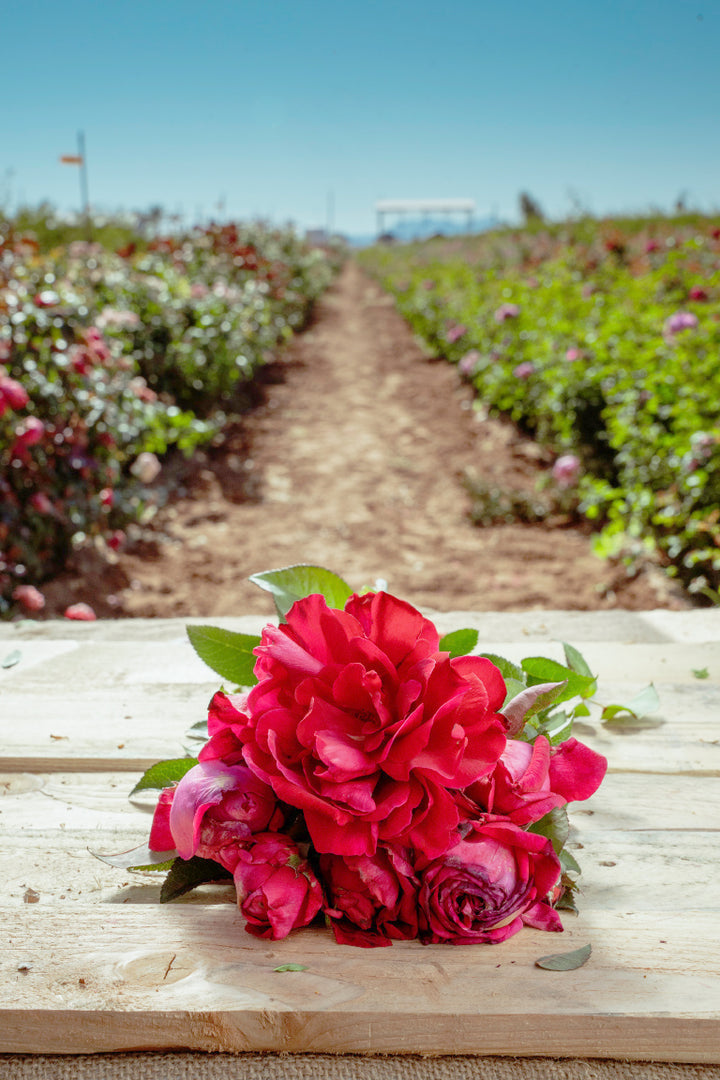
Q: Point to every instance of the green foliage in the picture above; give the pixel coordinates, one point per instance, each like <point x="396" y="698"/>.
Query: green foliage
<point x="567" y="330"/>
<point x="228" y="653"/>
<point x="163" y="774"/>
<point x="186" y="874"/>
<point x="292" y="583"/>
<point x="459" y="642"/>
<point x="567" y="961"/>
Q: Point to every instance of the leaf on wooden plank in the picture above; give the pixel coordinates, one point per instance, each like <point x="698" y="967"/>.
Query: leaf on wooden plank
<point x="459" y="642"/>
<point x="647" y="701"/>
<point x="291" y="583"/>
<point x="576" y="661"/>
<point x="701" y="673"/>
<point x="139" y="858"/>
<point x="528" y="702"/>
<point x="11" y="659"/>
<point x="291" y="967"/>
<point x="187" y="874"/>
<point x="567" y="961"/>
<point x="227" y="652"/>
<point x="164" y="773"/>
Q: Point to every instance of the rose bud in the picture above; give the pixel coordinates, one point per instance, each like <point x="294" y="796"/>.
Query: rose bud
<point x="487" y="885"/>
<point x="372" y="899"/>
<point x="277" y="890"/>
<point x="216" y="808"/>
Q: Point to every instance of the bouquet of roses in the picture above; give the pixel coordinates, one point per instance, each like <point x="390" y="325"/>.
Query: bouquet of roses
<point x="376" y="776"/>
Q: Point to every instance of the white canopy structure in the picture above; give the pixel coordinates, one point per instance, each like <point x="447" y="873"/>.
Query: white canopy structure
<point x="424" y="207"/>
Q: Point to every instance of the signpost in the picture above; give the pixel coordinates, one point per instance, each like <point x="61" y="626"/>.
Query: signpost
<point x="80" y="159"/>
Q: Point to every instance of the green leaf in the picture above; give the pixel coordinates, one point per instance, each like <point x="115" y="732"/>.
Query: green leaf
<point x="164" y="774"/>
<point x="569" y="863"/>
<point x="459" y="642"/>
<point x="291" y="967"/>
<point x="647" y="701"/>
<point x="567" y="961"/>
<point x="567" y="902"/>
<point x="187" y="874"/>
<point x="11" y="659"/>
<point x="508" y="670"/>
<point x="228" y="653"/>
<point x="554" y="826"/>
<point x="530" y="701"/>
<point x="557" y="727"/>
<point x="540" y="669"/>
<point x="576" y="661"/>
<point x="139" y="858"/>
<point x="291" y="583"/>
<point x="699" y="673"/>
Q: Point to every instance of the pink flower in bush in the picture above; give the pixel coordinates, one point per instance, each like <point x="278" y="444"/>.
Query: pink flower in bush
<point x="455" y="332"/>
<point x="697" y="293"/>
<point x="107" y="498"/>
<point x="566" y="470"/>
<point x="40" y="502"/>
<point x="362" y="723"/>
<point x="524" y="370"/>
<point x="216" y="808"/>
<point x="469" y="362"/>
<point x="572" y="355"/>
<point x="116" y="540"/>
<point x="46" y="298"/>
<point x="12" y="393"/>
<point x="80" y="612"/>
<point x="372" y="899"/>
<point x="277" y="890"/>
<point x="652" y="245"/>
<point x="531" y="779"/>
<point x="30" y="597"/>
<point x="490" y="882"/>
<point x="507" y="311"/>
<point x="681" y="320"/>
<point x="29" y="432"/>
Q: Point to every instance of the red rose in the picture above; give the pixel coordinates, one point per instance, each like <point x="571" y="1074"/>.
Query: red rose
<point x="372" y="899"/>
<point x="216" y="808"/>
<point x="531" y="779"/>
<point x="276" y="888"/>
<point x="362" y="723"/>
<point x="487" y="885"/>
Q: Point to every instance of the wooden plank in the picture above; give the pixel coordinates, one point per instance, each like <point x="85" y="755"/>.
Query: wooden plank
<point x="178" y="976"/>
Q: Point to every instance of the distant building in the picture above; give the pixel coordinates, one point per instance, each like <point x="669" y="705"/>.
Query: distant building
<point x="423" y="208"/>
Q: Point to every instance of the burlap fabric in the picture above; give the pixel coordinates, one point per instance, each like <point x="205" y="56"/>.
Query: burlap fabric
<point x="187" y="1066"/>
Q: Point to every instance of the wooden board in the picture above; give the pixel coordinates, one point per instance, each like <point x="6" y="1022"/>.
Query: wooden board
<point x="95" y="963"/>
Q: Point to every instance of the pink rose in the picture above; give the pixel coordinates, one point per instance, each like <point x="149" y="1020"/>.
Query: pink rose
<point x="506" y="311"/>
<point x="277" y="890"/>
<point x="488" y="885"/>
<point x="566" y="470"/>
<point x="524" y="370"/>
<point x="362" y="723"/>
<point x="531" y="779"/>
<point x="29" y="432"/>
<point x="681" y="320"/>
<point x="455" y="332"/>
<point x="372" y="899"/>
<point x="13" y="393"/>
<point x="216" y="808"/>
<point x="30" y="597"/>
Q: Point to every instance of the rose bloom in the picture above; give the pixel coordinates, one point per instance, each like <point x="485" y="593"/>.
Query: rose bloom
<point x="488" y="885"/>
<point x="30" y="597"/>
<point x="372" y="899"/>
<point x="215" y="810"/>
<point x="531" y="779"/>
<point x="277" y="890"/>
<point x="507" y="311"/>
<point x="524" y="370"/>
<point x="566" y="470"/>
<point x="572" y="355"/>
<point x="469" y="361"/>
<point x="362" y="723"/>
<point x="455" y="332"/>
<point x="12" y="393"/>
<point x="681" y="320"/>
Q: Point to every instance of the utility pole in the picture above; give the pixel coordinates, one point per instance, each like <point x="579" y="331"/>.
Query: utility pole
<point x="330" y="219"/>
<point x="84" y="197"/>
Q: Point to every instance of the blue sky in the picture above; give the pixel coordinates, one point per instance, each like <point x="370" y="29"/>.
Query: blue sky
<point x="272" y="105"/>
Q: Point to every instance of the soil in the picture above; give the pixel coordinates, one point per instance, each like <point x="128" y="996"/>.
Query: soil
<point x="354" y="459"/>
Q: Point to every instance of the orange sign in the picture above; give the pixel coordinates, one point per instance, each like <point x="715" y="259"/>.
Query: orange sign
<point x="71" y="159"/>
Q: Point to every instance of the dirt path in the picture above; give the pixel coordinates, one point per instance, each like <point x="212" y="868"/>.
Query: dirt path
<point x="353" y="462"/>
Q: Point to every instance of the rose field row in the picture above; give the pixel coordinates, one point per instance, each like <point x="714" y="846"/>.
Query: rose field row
<point x="602" y="339"/>
<point x="111" y="358"/>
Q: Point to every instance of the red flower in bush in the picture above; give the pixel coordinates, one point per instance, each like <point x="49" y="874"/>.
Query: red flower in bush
<point x="372" y="899"/>
<point x="362" y="723"/>
<point x="30" y="597"/>
<point x="488" y="885"/>
<point x="276" y="888"/>
<point x="12" y="393"/>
